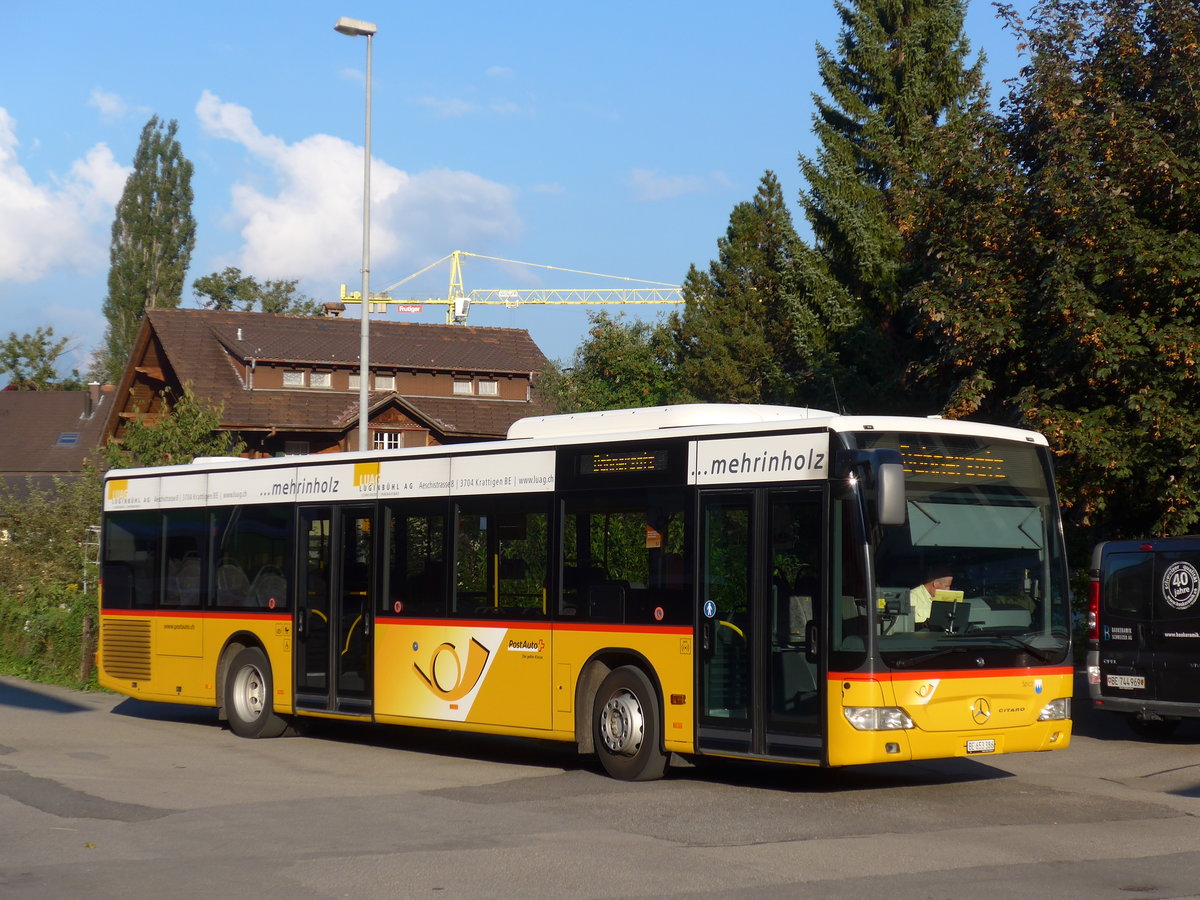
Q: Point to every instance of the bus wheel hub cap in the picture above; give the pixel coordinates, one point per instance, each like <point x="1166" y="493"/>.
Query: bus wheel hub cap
<point x="622" y="724"/>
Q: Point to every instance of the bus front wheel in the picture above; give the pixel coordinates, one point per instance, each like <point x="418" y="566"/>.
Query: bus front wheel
<point x="627" y="726"/>
<point x="249" y="696"/>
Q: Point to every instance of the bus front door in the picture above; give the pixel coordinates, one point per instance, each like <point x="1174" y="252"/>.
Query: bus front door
<point x="333" y="610"/>
<point x="760" y="583"/>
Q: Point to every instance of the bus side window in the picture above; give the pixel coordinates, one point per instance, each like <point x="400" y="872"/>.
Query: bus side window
<point x="415" y="568"/>
<point x="502" y="556"/>
<point x="132" y="569"/>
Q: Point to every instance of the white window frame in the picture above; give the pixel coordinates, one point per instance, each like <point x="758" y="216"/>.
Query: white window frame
<point x="322" y="380"/>
<point x="464" y="388"/>
<point x="489" y="389"/>
<point x="293" y="378"/>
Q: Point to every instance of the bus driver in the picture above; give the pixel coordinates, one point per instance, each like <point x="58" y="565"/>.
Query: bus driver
<point x="920" y="598"/>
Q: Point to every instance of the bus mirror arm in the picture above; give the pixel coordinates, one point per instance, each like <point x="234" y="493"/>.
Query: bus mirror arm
<point x="883" y="469"/>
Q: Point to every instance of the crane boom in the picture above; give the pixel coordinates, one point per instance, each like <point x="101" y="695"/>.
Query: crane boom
<point x="458" y="302"/>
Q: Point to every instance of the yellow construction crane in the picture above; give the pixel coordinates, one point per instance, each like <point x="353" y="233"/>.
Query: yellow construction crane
<point x="458" y="302"/>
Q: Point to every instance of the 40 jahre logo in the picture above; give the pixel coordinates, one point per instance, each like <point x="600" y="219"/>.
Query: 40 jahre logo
<point x="1181" y="585"/>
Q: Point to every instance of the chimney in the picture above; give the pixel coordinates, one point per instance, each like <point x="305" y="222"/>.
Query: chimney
<point x="92" y="399"/>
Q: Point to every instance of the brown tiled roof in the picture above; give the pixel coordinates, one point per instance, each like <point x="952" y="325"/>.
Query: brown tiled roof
<point x="193" y="339"/>
<point x="32" y="429"/>
<point x="297" y="339"/>
<point x="458" y="417"/>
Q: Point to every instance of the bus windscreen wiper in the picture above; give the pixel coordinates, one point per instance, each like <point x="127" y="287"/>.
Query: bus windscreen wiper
<point x="930" y="657"/>
<point x="1036" y="652"/>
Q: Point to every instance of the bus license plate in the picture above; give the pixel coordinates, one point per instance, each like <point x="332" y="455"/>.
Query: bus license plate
<point x="1127" y="682"/>
<point x="982" y="746"/>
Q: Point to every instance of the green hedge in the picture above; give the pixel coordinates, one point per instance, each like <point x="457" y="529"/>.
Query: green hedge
<point x="46" y="634"/>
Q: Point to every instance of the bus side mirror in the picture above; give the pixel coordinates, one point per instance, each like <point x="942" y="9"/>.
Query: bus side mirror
<point x="889" y="492"/>
<point x="884" y="470"/>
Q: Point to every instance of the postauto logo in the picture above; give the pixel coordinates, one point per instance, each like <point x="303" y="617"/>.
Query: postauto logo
<point x="446" y="676"/>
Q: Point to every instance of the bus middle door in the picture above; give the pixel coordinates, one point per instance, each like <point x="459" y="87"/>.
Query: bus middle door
<point x="333" y="610"/>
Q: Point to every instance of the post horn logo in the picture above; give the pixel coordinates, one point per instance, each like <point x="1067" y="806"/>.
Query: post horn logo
<point x="447" y="678"/>
<point x="981" y="711"/>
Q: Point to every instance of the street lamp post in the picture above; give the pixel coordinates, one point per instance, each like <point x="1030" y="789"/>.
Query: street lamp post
<point x="356" y="28"/>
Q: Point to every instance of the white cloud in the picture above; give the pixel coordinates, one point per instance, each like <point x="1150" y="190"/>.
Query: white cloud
<point x="310" y="224"/>
<point x="111" y="106"/>
<point x="499" y="72"/>
<point x="449" y="108"/>
<point x="48" y="228"/>
<point x="649" y="185"/>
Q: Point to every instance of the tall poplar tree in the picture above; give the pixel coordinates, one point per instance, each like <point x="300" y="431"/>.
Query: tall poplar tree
<point x="899" y="74"/>
<point x="153" y="235"/>
<point x="734" y="335"/>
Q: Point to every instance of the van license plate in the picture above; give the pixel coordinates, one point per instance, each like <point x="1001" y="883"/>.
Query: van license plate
<point x="985" y="746"/>
<point x="1127" y="682"/>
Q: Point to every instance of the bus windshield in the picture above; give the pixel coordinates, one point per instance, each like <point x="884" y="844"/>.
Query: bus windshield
<point x="974" y="577"/>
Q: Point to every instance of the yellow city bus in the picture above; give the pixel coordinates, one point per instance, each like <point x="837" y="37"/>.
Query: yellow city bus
<point x="706" y="580"/>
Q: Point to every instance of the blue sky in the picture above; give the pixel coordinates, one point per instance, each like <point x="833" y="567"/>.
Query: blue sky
<point x="613" y="139"/>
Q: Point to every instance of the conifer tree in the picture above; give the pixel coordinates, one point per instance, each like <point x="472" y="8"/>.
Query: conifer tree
<point x="734" y="337"/>
<point x="899" y="74"/>
<point x="153" y="235"/>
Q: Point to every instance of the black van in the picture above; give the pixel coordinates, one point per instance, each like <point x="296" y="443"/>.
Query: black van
<point x="1144" y="645"/>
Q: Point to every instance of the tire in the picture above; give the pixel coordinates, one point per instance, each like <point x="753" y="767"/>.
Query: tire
<point x="249" y="695"/>
<point x="1152" y="729"/>
<point x="627" y="726"/>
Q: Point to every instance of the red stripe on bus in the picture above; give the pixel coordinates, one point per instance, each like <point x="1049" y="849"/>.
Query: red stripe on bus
<point x="523" y="625"/>
<point x="270" y="616"/>
<point x="926" y="674"/>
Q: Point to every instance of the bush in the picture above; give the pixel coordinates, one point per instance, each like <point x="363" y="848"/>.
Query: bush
<point x="45" y="632"/>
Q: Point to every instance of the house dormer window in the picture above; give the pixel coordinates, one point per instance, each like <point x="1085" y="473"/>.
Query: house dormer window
<point x="464" y="387"/>
<point x="489" y="389"/>
<point x="293" y="379"/>
<point x="320" y="380"/>
<point x="385" y="382"/>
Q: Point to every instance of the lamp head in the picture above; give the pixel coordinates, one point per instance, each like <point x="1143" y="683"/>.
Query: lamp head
<point x="354" y="27"/>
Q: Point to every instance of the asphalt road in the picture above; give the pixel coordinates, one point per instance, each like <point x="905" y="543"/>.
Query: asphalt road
<point x="106" y="797"/>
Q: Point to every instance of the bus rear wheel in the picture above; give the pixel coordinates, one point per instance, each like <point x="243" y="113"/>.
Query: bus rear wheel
<point x="249" y="693"/>
<point x="627" y="726"/>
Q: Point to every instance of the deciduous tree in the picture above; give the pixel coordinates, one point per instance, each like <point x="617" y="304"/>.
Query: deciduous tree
<point x="1068" y="298"/>
<point x="231" y="290"/>
<point x="31" y="361"/>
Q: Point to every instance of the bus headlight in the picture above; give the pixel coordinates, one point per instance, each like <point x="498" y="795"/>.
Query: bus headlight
<point x="1056" y="709"/>
<point x="877" y="718"/>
